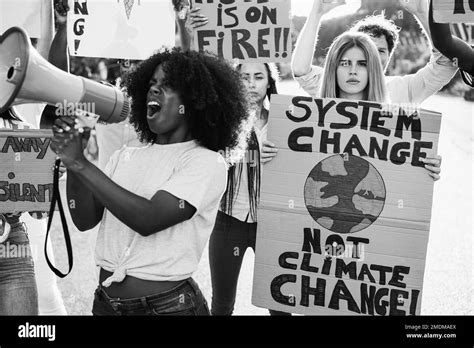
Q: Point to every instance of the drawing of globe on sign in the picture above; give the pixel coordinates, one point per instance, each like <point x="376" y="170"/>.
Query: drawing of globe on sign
<point x="344" y="193"/>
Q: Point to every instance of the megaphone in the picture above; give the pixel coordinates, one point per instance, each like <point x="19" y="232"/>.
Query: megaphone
<point x="26" y="77"/>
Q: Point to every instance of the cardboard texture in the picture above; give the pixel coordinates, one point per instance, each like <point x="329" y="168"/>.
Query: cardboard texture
<point x="345" y="210"/>
<point x="26" y="176"/>
<point x="21" y="13"/>
<point x="122" y="29"/>
<point x="453" y="11"/>
<point x="248" y="31"/>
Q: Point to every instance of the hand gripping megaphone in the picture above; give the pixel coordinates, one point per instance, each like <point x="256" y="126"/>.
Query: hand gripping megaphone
<point x="26" y="77"/>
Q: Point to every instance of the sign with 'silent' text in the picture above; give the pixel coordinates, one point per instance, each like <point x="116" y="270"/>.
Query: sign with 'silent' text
<point x="250" y="31"/>
<point x="345" y="208"/>
<point x="26" y="175"/>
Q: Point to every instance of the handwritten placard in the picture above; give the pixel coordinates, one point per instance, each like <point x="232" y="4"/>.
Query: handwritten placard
<point x="26" y="175"/>
<point x="345" y="208"/>
<point x="250" y="31"/>
<point x="125" y="29"/>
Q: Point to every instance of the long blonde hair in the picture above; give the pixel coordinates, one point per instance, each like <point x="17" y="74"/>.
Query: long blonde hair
<point x="377" y="91"/>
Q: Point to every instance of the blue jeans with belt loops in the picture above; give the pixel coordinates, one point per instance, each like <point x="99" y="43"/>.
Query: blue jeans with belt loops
<point x="18" y="291"/>
<point x="184" y="299"/>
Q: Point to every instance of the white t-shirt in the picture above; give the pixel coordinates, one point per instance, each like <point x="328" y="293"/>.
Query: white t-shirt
<point x="112" y="137"/>
<point x="189" y="172"/>
<point x="241" y="206"/>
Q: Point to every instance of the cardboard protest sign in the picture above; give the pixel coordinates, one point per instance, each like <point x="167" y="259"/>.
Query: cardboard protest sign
<point x="251" y="31"/>
<point x="345" y="208"/>
<point x="123" y="29"/>
<point x="453" y="11"/>
<point x="21" y="13"/>
<point x="26" y="176"/>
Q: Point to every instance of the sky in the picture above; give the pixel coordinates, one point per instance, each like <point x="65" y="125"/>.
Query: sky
<point x="303" y="8"/>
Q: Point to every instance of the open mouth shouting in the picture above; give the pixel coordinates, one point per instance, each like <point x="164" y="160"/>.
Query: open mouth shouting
<point x="153" y="108"/>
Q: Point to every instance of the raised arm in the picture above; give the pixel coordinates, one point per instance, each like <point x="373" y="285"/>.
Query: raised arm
<point x="181" y="15"/>
<point x="187" y="21"/>
<point x="452" y="47"/>
<point x="437" y="72"/>
<point x="91" y="191"/>
<point x="58" y="55"/>
<point x="307" y="40"/>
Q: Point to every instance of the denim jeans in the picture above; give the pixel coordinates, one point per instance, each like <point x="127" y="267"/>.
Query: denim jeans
<point x="18" y="291"/>
<point x="227" y="245"/>
<point x="184" y="299"/>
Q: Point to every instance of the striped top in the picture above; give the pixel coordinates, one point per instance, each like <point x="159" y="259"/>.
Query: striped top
<point x="468" y="78"/>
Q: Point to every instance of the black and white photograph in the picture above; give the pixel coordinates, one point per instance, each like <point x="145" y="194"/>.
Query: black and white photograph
<point x="306" y="159"/>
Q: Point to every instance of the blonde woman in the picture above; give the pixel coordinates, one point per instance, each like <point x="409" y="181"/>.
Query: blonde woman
<point x="354" y="71"/>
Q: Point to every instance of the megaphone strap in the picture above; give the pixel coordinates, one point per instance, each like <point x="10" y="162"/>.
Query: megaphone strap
<point x="57" y="198"/>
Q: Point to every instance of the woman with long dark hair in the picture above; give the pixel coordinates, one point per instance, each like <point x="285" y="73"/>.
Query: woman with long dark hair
<point x="236" y="224"/>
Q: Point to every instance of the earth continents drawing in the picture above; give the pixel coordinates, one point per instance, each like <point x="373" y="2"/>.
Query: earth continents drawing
<point x="344" y="193"/>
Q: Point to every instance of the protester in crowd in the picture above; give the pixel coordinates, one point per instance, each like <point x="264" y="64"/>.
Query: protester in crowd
<point x="157" y="205"/>
<point x="235" y="228"/>
<point x="49" y="299"/>
<point x="353" y="71"/>
<point x="413" y="88"/>
<point x="454" y="48"/>
<point x="18" y="290"/>
<point x="236" y="223"/>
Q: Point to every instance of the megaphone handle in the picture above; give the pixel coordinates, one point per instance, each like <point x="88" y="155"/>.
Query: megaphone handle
<point x="67" y="238"/>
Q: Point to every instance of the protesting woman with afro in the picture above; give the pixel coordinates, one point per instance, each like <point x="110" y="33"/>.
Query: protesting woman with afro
<point x="157" y="205"/>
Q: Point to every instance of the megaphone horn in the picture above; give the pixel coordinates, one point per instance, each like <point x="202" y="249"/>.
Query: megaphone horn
<point x="25" y="76"/>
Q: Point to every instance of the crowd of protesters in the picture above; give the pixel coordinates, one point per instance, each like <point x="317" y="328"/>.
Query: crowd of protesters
<point x="163" y="190"/>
